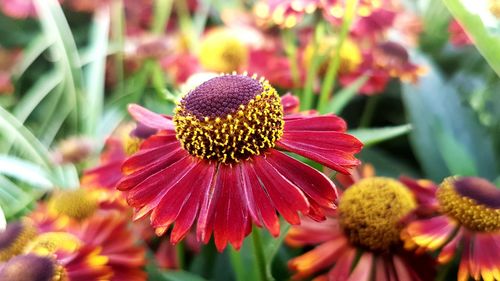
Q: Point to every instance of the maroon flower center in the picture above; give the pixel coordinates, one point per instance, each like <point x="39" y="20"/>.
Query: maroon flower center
<point x="221" y="96"/>
<point x="14" y="238"/>
<point x="29" y="268"/>
<point x="229" y="118"/>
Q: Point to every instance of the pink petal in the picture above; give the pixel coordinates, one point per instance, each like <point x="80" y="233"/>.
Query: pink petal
<point x="363" y="269"/>
<point x="286" y="197"/>
<point x="316" y="185"/>
<point x="402" y="270"/>
<point x="149" y="118"/>
<point x="315" y="123"/>
<point x="290" y="103"/>
<point x="343" y="266"/>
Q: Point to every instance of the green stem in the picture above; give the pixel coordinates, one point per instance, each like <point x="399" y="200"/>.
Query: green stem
<point x="312" y="69"/>
<point x="237" y="263"/>
<point x="368" y="112"/>
<point x="179" y="252"/>
<point x="259" y="254"/>
<point x="333" y="66"/>
<point x="117" y="34"/>
<point x="162" y="10"/>
<point x="291" y="52"/>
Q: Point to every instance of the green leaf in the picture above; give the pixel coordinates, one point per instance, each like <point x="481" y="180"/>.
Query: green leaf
<point x="457" y="158"/>
<point x="487" y="43"/>
<point x="272" y="245"/>
<point x="375" y="135"/>
<point x="32" y="98"/>
<point x="12" y="130"/>
<point x="95" y="70"/>
<point x="433" y="101"/>
<point x="3" y="221"/>
<point x="25" y="171"/>
<point x="342" y="97"/>
<point x="156" y="274"/>
<point x="35" y="48"/>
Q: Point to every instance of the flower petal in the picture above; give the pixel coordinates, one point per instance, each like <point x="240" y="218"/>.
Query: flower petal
<point x="287" y="198"/>
<point x="150" y="119"/>
<point x="315" y="123"/>
<point x="317" y="259"/>
<point x="316" y="185"/>
<point x="362" y="270"/>
<point x="259" y="204"/>
<point x="332" y="149"/>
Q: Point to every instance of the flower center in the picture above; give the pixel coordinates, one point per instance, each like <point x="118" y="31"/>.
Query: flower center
<point x="222" y="51"/>
<point x="32" y="268"/>
<point x="76" y="204"/>
<point x="14" y="238"/>
<point x="370" y="211"/>
<point x="229" y="118"/>
<point x="473" y="202"/>
<point x="51" y="242"/>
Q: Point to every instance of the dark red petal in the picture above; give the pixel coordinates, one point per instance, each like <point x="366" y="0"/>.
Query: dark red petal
<point x="150" y="119"/>
<point x="316" y="185"/>
<point x="158" y="140"/>
<point x="148" y="157"/>
<point x="260" y="205"/>
<point x="151" y="190"/>
<point x="287" y="198"/>
<point x="231" y="215"/>
<point x="163" y="162"/>
<point x="205" y="226"/>
<point x="186" y="219"/>
<point x="334" y="150"/>
<point x="315" y="123"/>
<point x="181" y="202"/>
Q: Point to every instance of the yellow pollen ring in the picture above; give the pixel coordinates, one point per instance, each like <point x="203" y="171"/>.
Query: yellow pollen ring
<point x="370" y="211"/>
<point x="77" y="204"/>
<point x="25" y="235"/>
<point x="252" y="129"/>
<point x="467" y="211"/>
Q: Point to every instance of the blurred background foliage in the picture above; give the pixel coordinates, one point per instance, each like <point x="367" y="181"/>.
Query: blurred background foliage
<point x="448" y="123"/>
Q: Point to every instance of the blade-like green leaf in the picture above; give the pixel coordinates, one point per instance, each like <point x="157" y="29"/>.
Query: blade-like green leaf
<point x="342" y="97"/>
<point x="36" y="47"/>
<point x="375" y="135"/>
<point x="3" y="221"/>
<point x="12" y="130"/>
<point x="95" y="71"/>
<point x="431" y="102"/>
<point x="43" y="86"/>
<point x="457" y="158"/>
<point x="487" y="43"/>
<point x="25" y="171"/>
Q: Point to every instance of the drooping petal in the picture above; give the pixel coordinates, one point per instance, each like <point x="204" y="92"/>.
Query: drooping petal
<point x="315" y="123"/>
<point x="260" y="206"/>
<point x="313" y="183"/>
<point x="310" y="232"/>
<point x="151" y="169"/>
<point x="332" y="149"/>
<point x="341" y="270"/>
<point x="286" y="197"/>
<point x="290" y="103"/>
<point x="429" y="233"/>
<point x="150" y="119"/>
<point x="317" y="259"/>
<point x="180" y="204"/>
<point x="362" y="270"/>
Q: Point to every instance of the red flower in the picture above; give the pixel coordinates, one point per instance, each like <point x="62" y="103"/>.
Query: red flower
<point x="463" y="213"/>
<point x="216" y="162"/>
<point x="361" y="241"/>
